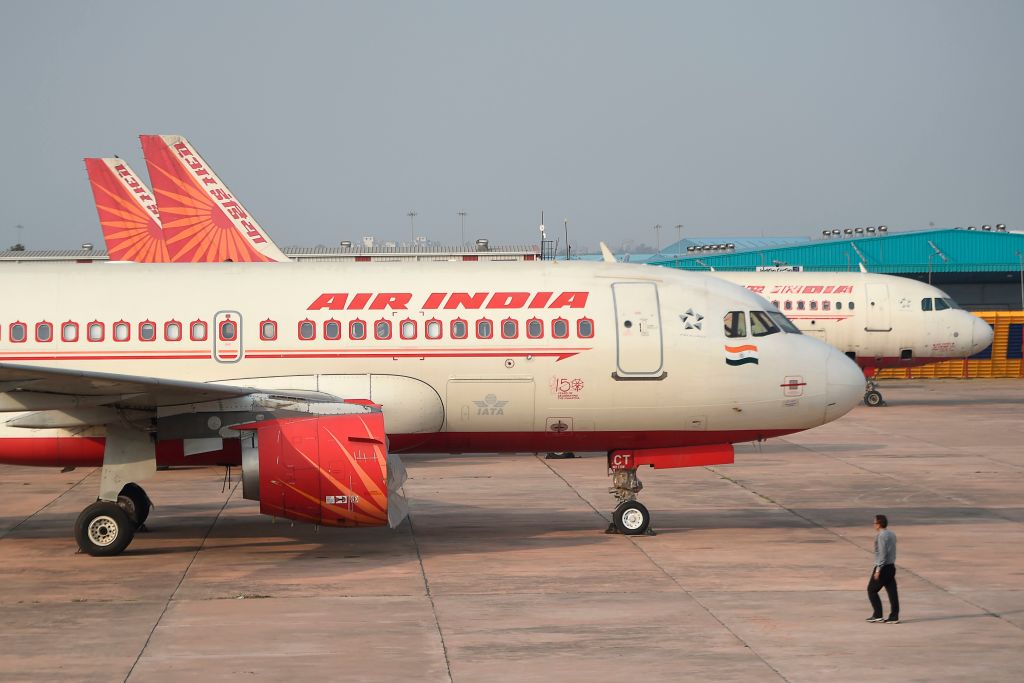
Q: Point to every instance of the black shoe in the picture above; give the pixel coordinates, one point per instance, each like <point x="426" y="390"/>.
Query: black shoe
<point x="875" y="620"/>
<point x="892" y="620"/>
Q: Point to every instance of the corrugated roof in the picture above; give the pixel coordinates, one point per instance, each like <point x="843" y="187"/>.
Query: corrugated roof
<point x="937" y="251"/>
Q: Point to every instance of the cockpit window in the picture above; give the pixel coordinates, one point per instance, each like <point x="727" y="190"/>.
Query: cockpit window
<point x="951" y="303"/>
<point x="735" y="324"/>
<point x="941" y="305"/>
<point x="761" y="324"/>
<point x="785" y="323"/>
<point x="926" y="304"/>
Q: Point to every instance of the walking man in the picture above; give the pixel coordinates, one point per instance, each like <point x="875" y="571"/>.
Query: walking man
<point x="884" y="573"/>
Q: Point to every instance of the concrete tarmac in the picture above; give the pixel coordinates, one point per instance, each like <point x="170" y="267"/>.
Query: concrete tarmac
<point x="757" y="572"/>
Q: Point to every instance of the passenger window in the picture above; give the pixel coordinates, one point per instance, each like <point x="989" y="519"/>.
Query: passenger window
<point x="761" y="324"/>
<point x="460" y="329"/>
<point x="849" y="305"/>
<point x="789" y="305"/>
<point x="534" y="328"/>
<point x="307" y="330"/>
<point x="432" y="330"/>
<point x="147" y="331"/>
<point x="735" y="324"/>
<point x="69" y="332"/>
<point x="813" y="305"/>
<point x="560" y="328"/>
<point x="95" y="331"/>
<point x="44" y="332"/>
<point x="382" y="329"/>
<point x="484" y="329"/>
<point x="941" y="305"/>
<point x="172" y="331"/>
<point x="332" y="330"/>
<point x="584" y="328"/>
<point x="268" y="330"/>
<point x="839" y="305"/>
<point x="357" y="330"/>
<point x="18" y="332"/>
<point x="799" y="305"/>
<point x="826" y="305"/>
<point x="509" y="328"/>
<point x="775" y="303"/>
<point x="122" y="331"/>
<point x="228" y="330"/>
<point x="197" y="330"/>
<point x="407" y="330"/>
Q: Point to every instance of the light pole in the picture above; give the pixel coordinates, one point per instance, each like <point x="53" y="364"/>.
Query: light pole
<point x="412" y="227"/>
<point x="657" y="237"/>
<point x="565" y="224"/>
<point x="462" y="216"/>
<point x="679" y="236"/>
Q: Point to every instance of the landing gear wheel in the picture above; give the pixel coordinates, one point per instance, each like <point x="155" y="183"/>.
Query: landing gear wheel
<point x="631" y="518"/>
<point x="104" y="529"/>
<point x="873" y="398"/>
<point x="135" y="502"/>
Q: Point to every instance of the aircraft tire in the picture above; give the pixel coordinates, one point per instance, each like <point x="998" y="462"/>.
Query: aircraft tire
<point x="631" y="518"/>
<point x="104" y="529"/>
<point x="137" y="505"/>
<point x="873" y="399"/>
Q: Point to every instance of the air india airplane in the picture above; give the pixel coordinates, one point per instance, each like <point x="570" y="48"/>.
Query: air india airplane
<point x="314" y="377"/>
<point x="880" y="321"/>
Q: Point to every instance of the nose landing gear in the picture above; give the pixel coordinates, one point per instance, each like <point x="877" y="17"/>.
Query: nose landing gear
<point x="872" y="396"/>
<point x="631" y="517"/>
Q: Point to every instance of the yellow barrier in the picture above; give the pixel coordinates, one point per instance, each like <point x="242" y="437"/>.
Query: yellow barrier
<point x="998" y="366"/>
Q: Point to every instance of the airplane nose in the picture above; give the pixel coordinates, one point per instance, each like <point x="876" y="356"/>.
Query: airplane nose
<point x="981" y="335"/>
<point x="845" y="385"/>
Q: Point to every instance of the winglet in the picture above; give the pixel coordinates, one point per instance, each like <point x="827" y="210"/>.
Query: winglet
<point x="128" y="212"/>
<point x="202" y="220"/>
<point x="606" y="253"/>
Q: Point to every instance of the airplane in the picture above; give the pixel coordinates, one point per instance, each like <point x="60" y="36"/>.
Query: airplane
<point x="315" y="377"/>
<point x="206" y="222"/>
<point x="128" y="212"/>
<point x="880" y="321"/>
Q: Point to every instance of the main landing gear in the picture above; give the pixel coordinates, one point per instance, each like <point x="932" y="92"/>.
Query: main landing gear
<point x="630" y="517"/>
<point x="107" y="527"/>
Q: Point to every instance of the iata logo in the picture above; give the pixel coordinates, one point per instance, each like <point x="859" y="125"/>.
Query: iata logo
<point x="566" y="388"/>
<point x="490" y="406"/>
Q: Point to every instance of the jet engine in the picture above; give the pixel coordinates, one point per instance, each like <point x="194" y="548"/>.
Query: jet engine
<point x="332" y="470"/>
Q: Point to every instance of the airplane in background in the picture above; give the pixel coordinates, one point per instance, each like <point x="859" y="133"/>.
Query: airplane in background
<point x="314" y="377"/>
<point x="204" y="221"/>
<point x="880" y="321"/>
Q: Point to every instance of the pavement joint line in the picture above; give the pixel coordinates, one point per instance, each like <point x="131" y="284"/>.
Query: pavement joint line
<point x="177" y="587"/>
<point x="855" y="545"/>
<point x="64" y="493"/>
<point x="671" y="578"/>
<point x="430" y="595"/>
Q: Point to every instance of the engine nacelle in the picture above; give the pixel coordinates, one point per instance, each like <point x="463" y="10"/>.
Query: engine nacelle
<point x="325" y="469"/>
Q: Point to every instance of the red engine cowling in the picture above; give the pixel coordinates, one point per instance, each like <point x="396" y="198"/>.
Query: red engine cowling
<point x="328" y="469"/>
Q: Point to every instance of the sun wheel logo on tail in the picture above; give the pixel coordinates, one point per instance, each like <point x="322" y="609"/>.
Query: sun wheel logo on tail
<point x="741" y="355"/>
<point x="329" y="469"/>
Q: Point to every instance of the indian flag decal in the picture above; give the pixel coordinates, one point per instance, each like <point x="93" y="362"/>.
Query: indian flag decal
<point x="741" y="355"/>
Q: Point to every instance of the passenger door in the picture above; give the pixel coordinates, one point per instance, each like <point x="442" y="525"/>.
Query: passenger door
<point x="877" y="319"/>
<point x="639" y="352"/>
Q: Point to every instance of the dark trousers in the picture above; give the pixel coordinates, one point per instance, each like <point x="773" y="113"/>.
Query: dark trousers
<point x="887" y="580"/>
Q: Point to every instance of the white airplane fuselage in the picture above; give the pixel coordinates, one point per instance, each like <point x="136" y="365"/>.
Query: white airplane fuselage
<point x="882" y="321"/>
<point x="580" y="356"/>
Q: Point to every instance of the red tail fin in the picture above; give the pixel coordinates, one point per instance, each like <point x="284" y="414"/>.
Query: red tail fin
<point x="128" y="213"/>
<point x="202" y="220"/>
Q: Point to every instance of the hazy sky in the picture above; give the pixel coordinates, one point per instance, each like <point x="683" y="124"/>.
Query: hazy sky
<point x="333" y="120"/>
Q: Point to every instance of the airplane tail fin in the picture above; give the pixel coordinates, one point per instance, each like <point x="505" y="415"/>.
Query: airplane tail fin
<point x="202" y="220"/>
<point x="128" y="212"/>
<point x="606" y="254"/>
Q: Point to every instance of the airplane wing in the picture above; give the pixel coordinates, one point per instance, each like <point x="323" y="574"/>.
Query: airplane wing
<point x="123" y="391"/>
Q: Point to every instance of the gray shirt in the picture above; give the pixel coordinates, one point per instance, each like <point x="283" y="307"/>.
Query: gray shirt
<point x="885" y="548"/>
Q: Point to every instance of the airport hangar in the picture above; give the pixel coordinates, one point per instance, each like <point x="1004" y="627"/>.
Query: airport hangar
<point x="981" y="269"/>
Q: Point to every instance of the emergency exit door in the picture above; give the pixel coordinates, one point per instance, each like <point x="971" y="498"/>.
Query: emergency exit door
<point x="639" y="352"/>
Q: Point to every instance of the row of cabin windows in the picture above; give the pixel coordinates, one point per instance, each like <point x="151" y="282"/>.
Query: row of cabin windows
<point x="383" y="329"/>
<point x="801" y="305"/>
<point x="121" y="331"/>
<point x="227" y="330"/>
